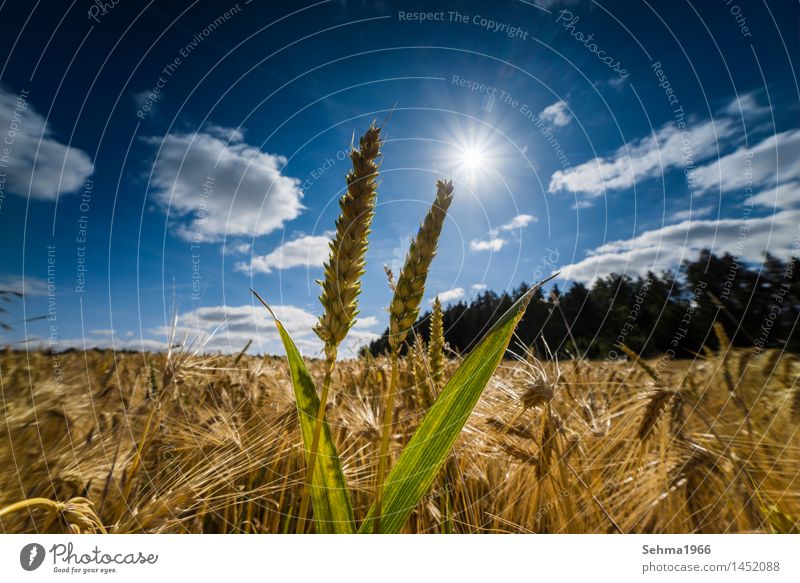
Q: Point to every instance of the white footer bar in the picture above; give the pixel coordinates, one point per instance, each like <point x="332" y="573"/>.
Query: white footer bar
<point x="406" y="559"/>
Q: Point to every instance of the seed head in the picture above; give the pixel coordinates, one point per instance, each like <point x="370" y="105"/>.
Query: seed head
<point x="345" y="266"/>
<point x="410" y="287"/>
<point x="436" y="345"/>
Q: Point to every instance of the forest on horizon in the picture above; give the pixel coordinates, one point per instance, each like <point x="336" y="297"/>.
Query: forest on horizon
<point x="669" y="313"/>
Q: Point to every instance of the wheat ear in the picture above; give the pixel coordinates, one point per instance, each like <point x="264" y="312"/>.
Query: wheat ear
<point x="404" y="309"/>
<point x="410" y="287"/>
<point x="345" y="266"/>
<point x="436" y="346"/>
<point x="421" y="374"/>
<point x="343" y="270"/>
<point x="78" y="515"/>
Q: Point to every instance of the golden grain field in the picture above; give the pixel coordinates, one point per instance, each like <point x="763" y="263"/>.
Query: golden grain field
<point x="176" y="443"/>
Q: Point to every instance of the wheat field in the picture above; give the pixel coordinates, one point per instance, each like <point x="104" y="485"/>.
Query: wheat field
<point x="178" y="442"/>
<point x="420" y="440"/>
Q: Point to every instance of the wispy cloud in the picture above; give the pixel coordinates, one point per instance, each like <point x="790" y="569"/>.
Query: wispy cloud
<point x="776" y="157"/>
<point x="785" y="196"/>
<point x="229" y="328"/>
<point x="233" y="135"/>
<point x="696" y="212"/>
<point x="518" y="222"/>
<point x="366" y="322"/>
<point x="237" y="248"/>
<point x="493" y="244"/>
<point x="309" y="251"/>
<point x="557" y="114"/>
<point x="664" y="248"/>
<point x="644" y="158"/>
<point x="450" y="295"/>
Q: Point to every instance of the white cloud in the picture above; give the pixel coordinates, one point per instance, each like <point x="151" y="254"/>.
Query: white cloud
<point x="518" y="222"/>
<point x="557" y="114"/>
<point x="665" y="248"/>
<point x="241" y="187"/>
<point x="644" y="158"/>
<point x="237" y="248"/>
<point x="451" y="294"/>
<point x="696" y="212"/>
<point x="582" y="204"/>
<point x="493" y="244"/>
<point x="37" y="161"/>
<point x="786" y="195"/>
<point x="366" y="322"/>
<point x="478" y="286"/>
<point x="310" y="251"/>
<point x="745" y="105"/>
<point x="232" y="135"/>
<point x="229" y="328"/>
<point x="776" y="158"/>
<point x="141" y="98"/>
<point x="615" y="82"/>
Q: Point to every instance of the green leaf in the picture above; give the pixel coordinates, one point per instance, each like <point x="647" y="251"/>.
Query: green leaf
<point x="330" y="498"/>
<point x="420" y="461"/>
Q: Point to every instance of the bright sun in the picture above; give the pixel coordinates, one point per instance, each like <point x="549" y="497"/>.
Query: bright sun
<point x="472" y="163"/>
<point x="472" y="158"/>
<point x="471" y="155"/>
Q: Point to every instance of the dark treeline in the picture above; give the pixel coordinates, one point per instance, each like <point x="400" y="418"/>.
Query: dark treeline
<point x="668" y="313"/>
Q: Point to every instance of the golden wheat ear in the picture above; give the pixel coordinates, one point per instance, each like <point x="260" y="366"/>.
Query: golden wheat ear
<point x="436" y="346"/>
<point x="404" y="309"/>
<point x="341" y="285"/>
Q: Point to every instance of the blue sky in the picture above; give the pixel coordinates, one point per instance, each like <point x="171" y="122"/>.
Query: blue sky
<point x="161" y="160"/>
